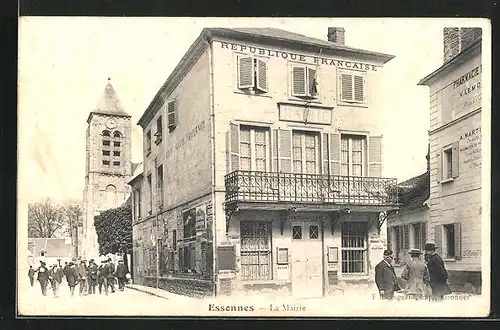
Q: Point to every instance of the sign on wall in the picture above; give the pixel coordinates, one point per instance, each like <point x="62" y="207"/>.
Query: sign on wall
<point x="464" y="93"/>
<point x="189" y="221"/>
<point x="470" y="148"/>
<point x="302" y="114"/>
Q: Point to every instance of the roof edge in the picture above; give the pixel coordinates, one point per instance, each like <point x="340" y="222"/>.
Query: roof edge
<point x="106" y="114"/>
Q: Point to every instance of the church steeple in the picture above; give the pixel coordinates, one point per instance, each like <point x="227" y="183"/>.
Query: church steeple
<point x="109" y="104"/>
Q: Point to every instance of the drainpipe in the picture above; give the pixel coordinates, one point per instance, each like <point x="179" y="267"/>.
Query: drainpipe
<point x="212" y="139"/>
<point x="157" y="253"/>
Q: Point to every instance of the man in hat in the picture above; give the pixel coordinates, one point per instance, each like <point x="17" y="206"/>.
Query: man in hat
<point x="121" y="274"/>
<point x="111" y="275"/>
<point x="437" y="273"/>
<point x="103" y="276"/>
<point x="82" y="276"/>
<point x="72" y="277"/>
<point x="416" y="275"/>
<point x="56" y="275"/>
<point x="31" y="275"/>
<point x="92" y="276"/>
<point x="385" y="277"/>
<point x="43" y="277"/>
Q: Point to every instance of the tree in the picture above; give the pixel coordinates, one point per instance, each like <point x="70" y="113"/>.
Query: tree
<point x="45" y="219"/>
<point x="73" y="213"/>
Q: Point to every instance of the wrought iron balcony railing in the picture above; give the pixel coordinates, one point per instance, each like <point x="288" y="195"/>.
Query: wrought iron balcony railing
<point x="309" y="188"/>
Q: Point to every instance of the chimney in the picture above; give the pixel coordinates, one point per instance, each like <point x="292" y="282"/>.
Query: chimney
<point x="457" y="39"/>
<point x="336" y="35"/>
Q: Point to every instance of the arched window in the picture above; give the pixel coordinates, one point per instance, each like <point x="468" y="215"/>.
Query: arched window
<point x="106" y="133"/>
<point x="116" y="139"/>
<point x="117" y="135"/>
<point x="106" y="138"/>
<point x="110" y="196"/>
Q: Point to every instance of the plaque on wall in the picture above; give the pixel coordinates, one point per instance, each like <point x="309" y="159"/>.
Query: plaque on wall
<point x="226" y="257"/>
<point x="282" y="256"/>
<point x="301" y="114"/>
<point x="333" y="254"/>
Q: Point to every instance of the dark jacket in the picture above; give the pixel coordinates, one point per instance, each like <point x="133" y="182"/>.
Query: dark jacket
<point x="56" y="274"/>
<point x="43" y="273"/>
<point x="385" y="277"/>
<point x="92" y="272"/>
<point x="104" y="271"/>
<point x="31" y="272"/>
<point x="111" y="268"/>
<point x="82" y="271"/>
<point x="438" y="275"/>
<point x="72" y="275"/>
<point x="417" y="276"/>
<point x="121" y="271"/>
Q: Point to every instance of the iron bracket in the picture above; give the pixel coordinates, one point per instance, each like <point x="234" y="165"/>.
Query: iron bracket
<point x="381" y="218"/>
<point x="229" y="209"/>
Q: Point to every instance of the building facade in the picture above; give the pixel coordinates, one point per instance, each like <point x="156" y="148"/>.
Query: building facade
<point x="108" y="166"/>
<point x="455" y="156"/>
<point x="263" y="167"/>
<point x="49" y="250"/>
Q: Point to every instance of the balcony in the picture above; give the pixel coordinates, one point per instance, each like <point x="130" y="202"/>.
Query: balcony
<point x="293" y="188"/>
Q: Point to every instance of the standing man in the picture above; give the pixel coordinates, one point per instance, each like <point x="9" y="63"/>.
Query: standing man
<point x="56" y="275"/>
<point x="438" y="274"/>
<point x="121" y="274"/>
<point x="82" y="276"/>
<point x="43" y="277"/>
<point x="72" y="277"/>
<point x="92" y="276"/>
<point x="31" y="275"/>
<point x="385" y="277"/>
<point x="103" y="277"/>
<point x="416" y="274"/>
<point x="111" y="275"/>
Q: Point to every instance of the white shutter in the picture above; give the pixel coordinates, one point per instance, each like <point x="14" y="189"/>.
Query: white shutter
<point x="274" y="150"/>
<point x="262" y="76"/>
<point x="359" y="88"/>
<point x="457" y="229"/>
<point x="234" y="139"/>
<point x="334" y="153"/>
<point x="324" y="154"/>
<point x="299" y="81"/>
<point x="172" y="115"/>
<point x="439" y="168"/>
<point x="375" y="156"/>
<point x="311" y="82"/>
<point x="454" y="160"/>
<point x="246" y="72"/>
<point x="285" y="150"/>
<point x="346" y="88"/>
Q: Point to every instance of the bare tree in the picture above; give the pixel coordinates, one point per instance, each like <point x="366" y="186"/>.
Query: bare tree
<point x="45" y="219"/>
<point x="73" y="215"/>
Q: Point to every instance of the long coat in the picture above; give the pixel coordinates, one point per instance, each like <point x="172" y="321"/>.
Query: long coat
<point x="121" y="271"/>
<point x="57" y="274"/>
<point x="438" y="275"/>
<point x="82" y="271"/>
<point x="385" y="277"/>
<point x="43" y="274"/>
<point x="417" y="276"/>
<point x="92" y="273"/>
<point x="72" y="275"/>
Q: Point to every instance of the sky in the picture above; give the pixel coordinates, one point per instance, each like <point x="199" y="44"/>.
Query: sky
<point x="64" y="65"/>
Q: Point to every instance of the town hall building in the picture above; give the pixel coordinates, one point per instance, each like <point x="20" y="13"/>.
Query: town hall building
<point x="263" y="167"/>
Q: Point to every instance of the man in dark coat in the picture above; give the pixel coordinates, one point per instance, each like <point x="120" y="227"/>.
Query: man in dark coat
<point x="385" y="277"/>
<point x="72" y="277"/>
<point x="43" y="277"/>
<point x="103" y="276"/>
<point x="111" y="275"/>
<point x="92" y="276"/>
<point x="437" y="272"/>
<point x="56" y="275"/>
<point x="31" y="275"/>
<point x="82" y="276"/>
<point x="121" y="274"/>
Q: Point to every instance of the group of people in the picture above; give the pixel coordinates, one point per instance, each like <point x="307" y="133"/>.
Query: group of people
<point x="86" y="276"/>
<point x="425" y="279"/>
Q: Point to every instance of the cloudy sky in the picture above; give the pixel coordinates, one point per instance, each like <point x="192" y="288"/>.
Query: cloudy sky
<point x="64" y="64"/>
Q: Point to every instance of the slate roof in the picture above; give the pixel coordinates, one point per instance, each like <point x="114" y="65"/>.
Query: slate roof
<point x="55" y="247"/>
<point x="414" y="192"/>
<point x="109" y="104"/>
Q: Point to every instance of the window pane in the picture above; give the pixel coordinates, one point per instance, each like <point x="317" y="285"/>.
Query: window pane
<point x="245" y="164"/>
<point x="313" y="232"/>
<point x="356" y="170"/>
<point x="260" y="137"/>
<point x="245" y="149"/>
<point x="296" y="232"/>
<point x="245" y="135"/>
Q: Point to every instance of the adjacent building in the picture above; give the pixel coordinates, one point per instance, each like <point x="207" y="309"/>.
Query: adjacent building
<point x="455" y="156"/>
<point x="108" y="166"/>
<point x="49" y="250"/>
<point x="263" y="167"/>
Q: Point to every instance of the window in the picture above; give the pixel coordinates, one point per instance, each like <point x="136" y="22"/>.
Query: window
<point x="105" y="152"/>
<point x="189" y="220"/>
<point x="304" y="82"/>
<point x="419" y="235"/>
<point x="305" y="150"/>
<point x="106" y="143"/>
<point x="137" y="203"/>
<point x="296" y="232"/>
<point x="116" y="143"/>
<point x="171" y="115"/>
<point x="255" y="250"/>
<point x="159" y="184"/>
<point x="397" y="245"/>
<point x="353" y="155"/>
<point x="105" y="162"/>
<point x="115" y="153"/>
<point x="110" y="196"/>
<point x="187" y="257"/>
<point x="354" y="247"/>
<point x="352" y="87"/>
<point x="254" y="149"/>
<point x="148" y="141"/>
<point x="252" y="74"/>
<point x="174" y="239"/>
<point x="313" y="232"/>
<point x="449" y="241"/>
<point x="106" y="138"/>
<point x="116" y="135"/>
<point x="116" y="163"/>
<point x="406" y="235"/>
<point x="150" y="193"/>
<point x="159" y="130"/>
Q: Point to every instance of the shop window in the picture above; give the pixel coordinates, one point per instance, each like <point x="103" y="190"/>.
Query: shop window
<point x="187" y="258"/>
<point x="296" y="232"/>
<point x="255" y="250"/>
<point x="354" y="247"/>
<point x="252" y="74"/>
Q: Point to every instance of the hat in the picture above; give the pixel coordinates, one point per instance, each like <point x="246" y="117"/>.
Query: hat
<point x="120" y="260"/>
<point x="430" y="247"/>
<point x="415" y="252"/>
<point x="91" y="260"/>
<point x="387" y="253"/>
<point x="71" y="263"/>
<point x="109" y="259"/>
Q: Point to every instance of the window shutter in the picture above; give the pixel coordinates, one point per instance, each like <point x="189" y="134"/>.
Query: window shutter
<point x="402" y="238"/>
<point x="299" y="81"/>
<point x="262" y="75"/>
<point x="274" y="150"/>
<point x="423" y="227"/>
<point x="311" y="82"/>
<point x="389" y="238"/>
<point x="285" y="150"/>
<point x="334" y="154"/>
<point x="171" y="114"/>
<point x="439" y="168"/>
<point x="346" y="88"/>
<point x="454" y="161"/>
<point x="407" y="236"/>
<point x="438" y="236"/>
<point x="359" y="89"/>
<point x="324" y="154"/>
<point x="246" y="72"/>
<point x="457" y="228"/>
<point x="234" y="137"/>
<point x="375" y="156"/>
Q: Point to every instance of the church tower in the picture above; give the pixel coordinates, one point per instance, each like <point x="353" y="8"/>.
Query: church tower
<point x="108" y="165"/>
